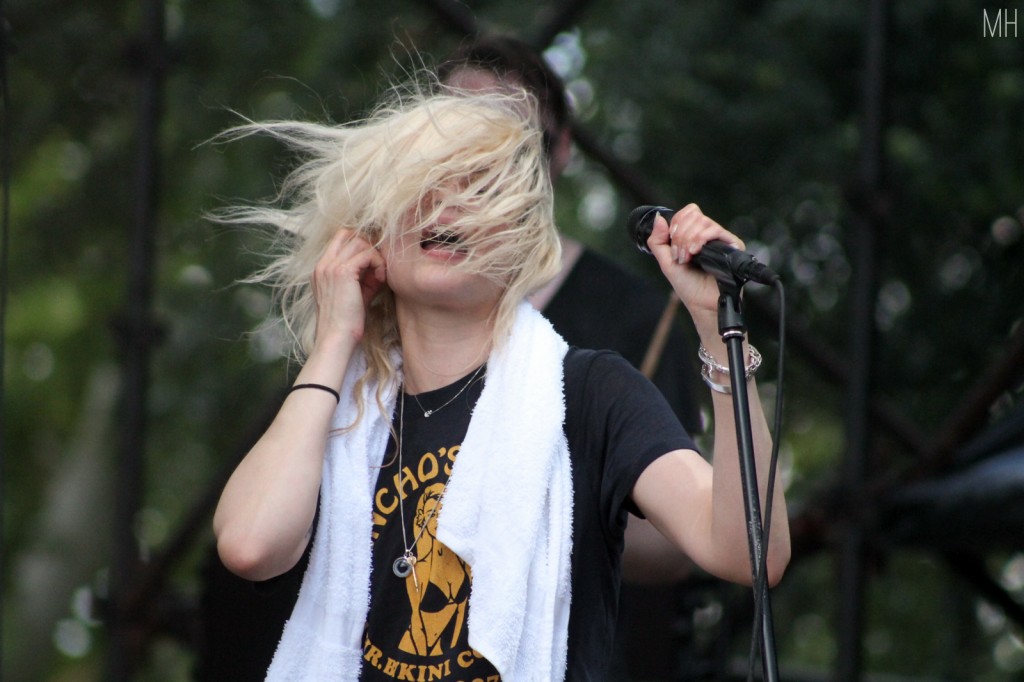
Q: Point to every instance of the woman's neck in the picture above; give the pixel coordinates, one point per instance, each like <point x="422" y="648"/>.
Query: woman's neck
<point x="439" y="348"/>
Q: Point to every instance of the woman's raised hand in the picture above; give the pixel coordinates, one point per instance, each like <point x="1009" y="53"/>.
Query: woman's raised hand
<point x="346" y="278"/>
<point x="675" y="243"/>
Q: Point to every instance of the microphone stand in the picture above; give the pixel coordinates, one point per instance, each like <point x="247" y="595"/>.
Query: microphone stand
<point x="732" y="328"/>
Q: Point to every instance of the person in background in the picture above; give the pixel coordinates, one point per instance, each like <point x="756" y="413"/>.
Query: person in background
<point x="462" y="474"/>
<point x="589" y="285"/>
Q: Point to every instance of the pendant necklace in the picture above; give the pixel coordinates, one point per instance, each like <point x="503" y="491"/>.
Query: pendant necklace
<point x="427" y="413"/>
<point x="403" y="565"/>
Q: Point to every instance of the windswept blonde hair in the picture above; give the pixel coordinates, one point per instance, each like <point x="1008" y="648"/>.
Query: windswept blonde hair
<point x="422" y="151"/>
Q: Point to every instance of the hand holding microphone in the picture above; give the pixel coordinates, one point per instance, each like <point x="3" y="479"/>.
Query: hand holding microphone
<point x="725" y="262"/>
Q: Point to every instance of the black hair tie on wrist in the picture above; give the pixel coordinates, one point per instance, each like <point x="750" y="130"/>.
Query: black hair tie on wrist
<point x="337" y="396"/>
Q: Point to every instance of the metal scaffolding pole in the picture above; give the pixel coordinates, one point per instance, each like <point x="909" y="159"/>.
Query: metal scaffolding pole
<point x="868" y="224"/>
<point x="137" y="333"/>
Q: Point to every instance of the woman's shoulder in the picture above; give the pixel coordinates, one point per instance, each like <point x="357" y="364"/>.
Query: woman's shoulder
<point x="581" y="363"/>
<point x="589" y="372"/>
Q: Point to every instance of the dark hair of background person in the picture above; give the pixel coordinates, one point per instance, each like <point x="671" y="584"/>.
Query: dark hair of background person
<point x="510" y="57"/>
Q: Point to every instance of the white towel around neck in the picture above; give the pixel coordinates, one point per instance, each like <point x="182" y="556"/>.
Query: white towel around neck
<point x="507" y="512"/>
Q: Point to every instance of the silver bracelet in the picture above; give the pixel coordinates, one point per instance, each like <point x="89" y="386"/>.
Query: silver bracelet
<point x="705" y="374"/>
<point x="711" y="364"/>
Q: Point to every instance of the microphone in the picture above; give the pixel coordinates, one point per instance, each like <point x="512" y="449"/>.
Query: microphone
<point x="726" y="263"/>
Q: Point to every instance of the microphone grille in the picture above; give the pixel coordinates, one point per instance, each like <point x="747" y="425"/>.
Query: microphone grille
<point x="640" y="224"/>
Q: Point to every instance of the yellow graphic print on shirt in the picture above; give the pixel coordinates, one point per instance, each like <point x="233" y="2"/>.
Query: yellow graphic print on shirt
<point x="438" y="587"/>
<point x="420" y="632"/>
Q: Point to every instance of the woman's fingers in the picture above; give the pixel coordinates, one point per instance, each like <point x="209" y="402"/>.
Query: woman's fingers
<point x="676" y="243"/>
<point x="347" y="276"/>
<point x="691" y="230"/>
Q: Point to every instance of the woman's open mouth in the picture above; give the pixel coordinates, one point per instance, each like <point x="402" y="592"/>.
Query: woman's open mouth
<point x="436" y="239"/>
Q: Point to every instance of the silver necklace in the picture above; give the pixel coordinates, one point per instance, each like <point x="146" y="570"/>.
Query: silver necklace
<point x="403" y="565"/>
<point x="427" y="413"/>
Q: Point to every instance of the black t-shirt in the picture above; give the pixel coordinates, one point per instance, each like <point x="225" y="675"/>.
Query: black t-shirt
<point x="616" y="424"/>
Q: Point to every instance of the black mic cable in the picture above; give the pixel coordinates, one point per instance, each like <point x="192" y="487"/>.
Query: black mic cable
<point x="761" y="586"/>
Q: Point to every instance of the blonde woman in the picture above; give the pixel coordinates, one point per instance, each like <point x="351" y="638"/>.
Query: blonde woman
<point x="464" y="477"/>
